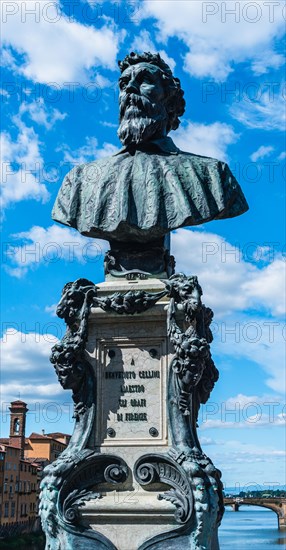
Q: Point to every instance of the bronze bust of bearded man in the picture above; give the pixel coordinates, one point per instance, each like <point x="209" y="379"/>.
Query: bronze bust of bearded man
<point x="136" y="197"/>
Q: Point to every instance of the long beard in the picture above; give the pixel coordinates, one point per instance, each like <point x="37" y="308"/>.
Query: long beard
<point x="139" y="129"/>
<point x="140" y="119"/>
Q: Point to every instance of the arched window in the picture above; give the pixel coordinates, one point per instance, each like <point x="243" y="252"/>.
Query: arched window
<point x="16" y="426"/>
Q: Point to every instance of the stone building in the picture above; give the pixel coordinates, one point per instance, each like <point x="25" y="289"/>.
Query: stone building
<point x="45" y="446"/>
<point x="22" y="460"/>
<point x="19" y="479"/>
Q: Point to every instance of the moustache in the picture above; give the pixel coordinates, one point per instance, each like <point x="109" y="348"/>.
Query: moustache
<point x="136" y="102"/>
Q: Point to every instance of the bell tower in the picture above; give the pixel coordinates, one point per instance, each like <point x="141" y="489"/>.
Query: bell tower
<point x="18" y="411"/>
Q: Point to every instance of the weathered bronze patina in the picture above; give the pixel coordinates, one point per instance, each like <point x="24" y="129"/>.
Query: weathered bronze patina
<point x="136" y="197"/>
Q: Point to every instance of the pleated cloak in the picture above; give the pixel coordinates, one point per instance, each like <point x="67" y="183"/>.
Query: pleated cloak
<point x="141" y="194"/>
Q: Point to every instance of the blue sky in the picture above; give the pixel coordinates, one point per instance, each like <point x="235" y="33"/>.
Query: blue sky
<point x="59" y="104"/>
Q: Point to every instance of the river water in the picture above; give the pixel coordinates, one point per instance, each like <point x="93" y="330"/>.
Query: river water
<point x="251" y="528"/>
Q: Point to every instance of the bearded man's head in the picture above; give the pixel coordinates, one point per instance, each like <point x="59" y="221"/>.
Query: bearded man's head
<point x="150" y="99"/>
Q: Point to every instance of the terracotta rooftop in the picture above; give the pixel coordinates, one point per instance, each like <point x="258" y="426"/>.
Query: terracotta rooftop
<point x="58" y="434"/>
<point x="49" y="437"/>
<point x="6" y="442"/>
<point x="34" y="435"/>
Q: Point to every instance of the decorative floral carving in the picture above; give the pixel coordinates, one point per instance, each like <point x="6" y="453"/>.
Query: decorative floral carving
<point x="151" y="469"/>
<point x="68" y="483"/>
<point x="130" y="302"/>
<point x="68" y="357"/>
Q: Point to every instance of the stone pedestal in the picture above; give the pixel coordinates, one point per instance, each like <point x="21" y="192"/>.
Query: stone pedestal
<point x="131" y="357"/>
<point x="134" y="477"/>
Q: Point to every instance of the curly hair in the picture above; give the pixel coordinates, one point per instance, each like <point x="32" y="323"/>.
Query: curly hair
<point x="175" y="103"/>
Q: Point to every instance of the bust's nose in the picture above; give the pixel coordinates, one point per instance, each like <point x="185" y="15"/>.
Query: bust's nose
<point x="132" y="86"/>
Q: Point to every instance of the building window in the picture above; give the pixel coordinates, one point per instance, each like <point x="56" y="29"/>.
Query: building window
<point x="12" y="509"/>
<point x="16" y="426"/>
<point x="6" y="510"/>
<point x="11" y="478"/>
<point x="5" y="487"/>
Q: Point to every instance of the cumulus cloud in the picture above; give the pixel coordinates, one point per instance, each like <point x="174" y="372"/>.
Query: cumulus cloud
<point x="265" y="113"/>
<point x="41" y="114"/>
<point x="262" y="152"/>
<point x="256" y="339"/>
<point x="56" y="48"/>
<point x="212" y="139"/>
<point x="42" y="245"/>
<point x="252" y="422"/>
<point x="144" y="43"/>
<point x="26" y="365"/>
<point x="244" y="412"/>
<point x="21" y="163"/>
<point x="268" y="60"/>
<point x="87" y="152"/>
<point x="216" y="39"/>
<point x="230" y="283"/>
<point x="233" y="287"/>
<point x="25" y="352"/>
<point x="51" y="310"/>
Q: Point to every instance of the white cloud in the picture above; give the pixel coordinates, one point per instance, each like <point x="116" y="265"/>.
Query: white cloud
<point x="29" y="390"/>
<point x="253" y="422"/>
<point x="19" y="158"/>
<point x="209" y="441"/>
<point x="268" y="286"/>
<point x="43" y="246"/>
<point x="250" y="466"/>
<point x="41" y="114"/>
<point x="144" y="43"/>
<point x="26" y="365"/>
<point x="231" y="286"/>
<point x="282" y="156"/>
<point x="256" y="339"/>
<point x="25" y="352"/>
<point x="209" y="139"/>
<point x="108" y="124"/>
<point x="262" y="152"/>
<point x="265" y="113"/>
<point x="244" y="411"/>
<point x="229" y="283"/>
<point x="22" y="161"/>
<point x="268" y="60"/>
<point x="88" y="152"/>
<point x="56" y="48"/>
<point x="4" y="93"/>
<point x="245" y="400"/>
<point x="51" y="310"/>
<point x="218" y="40"/>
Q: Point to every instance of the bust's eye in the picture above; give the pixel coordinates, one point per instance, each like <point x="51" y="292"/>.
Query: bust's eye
<point x="122" y="84"/>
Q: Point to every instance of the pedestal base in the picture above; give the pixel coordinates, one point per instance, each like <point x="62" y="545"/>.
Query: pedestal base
<point x="133" y="476"/>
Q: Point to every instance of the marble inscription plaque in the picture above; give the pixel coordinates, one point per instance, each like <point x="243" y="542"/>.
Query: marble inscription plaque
<point x="132" y="386"/>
